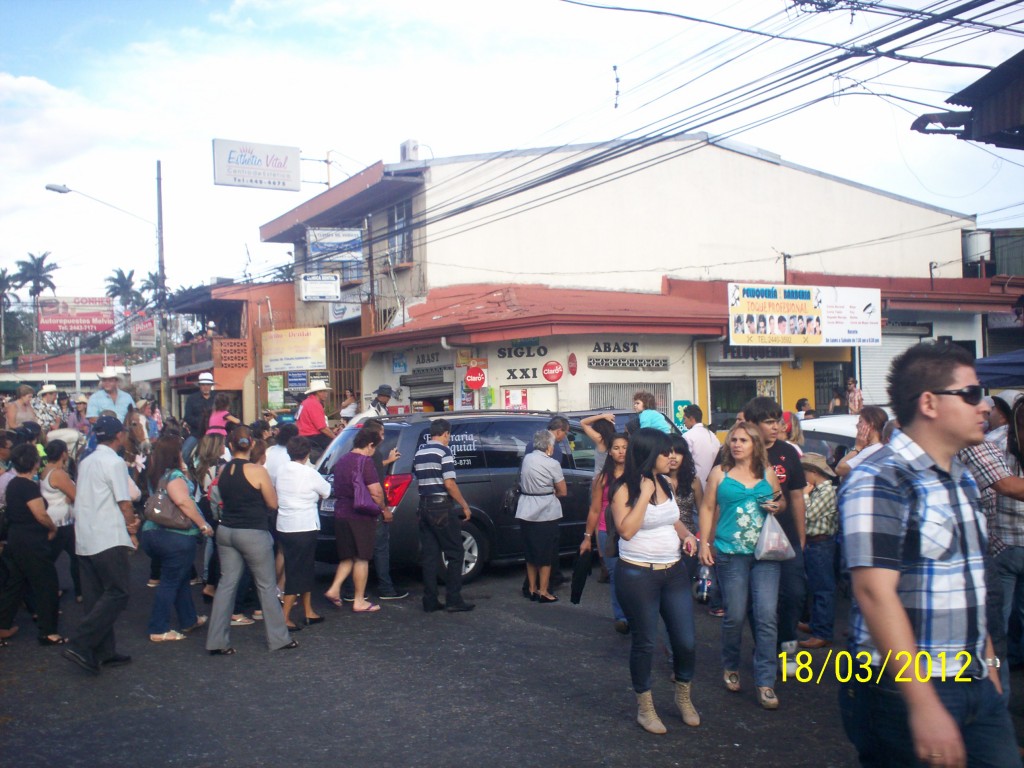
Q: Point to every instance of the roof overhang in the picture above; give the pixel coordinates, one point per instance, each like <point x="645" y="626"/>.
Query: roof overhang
<point x="345" y="205"/>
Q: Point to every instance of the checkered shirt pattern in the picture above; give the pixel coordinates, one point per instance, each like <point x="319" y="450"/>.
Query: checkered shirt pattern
<point x="902" y="512"/>
<point x="821" y="518"/>
<point x="988" y="466"/>
<point x="1009" y="525"/>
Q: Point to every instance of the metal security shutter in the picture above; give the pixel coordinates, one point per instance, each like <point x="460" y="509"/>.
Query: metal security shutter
<point x="619" y="397"/>
<point x="436" y="390"/>
<point x="875" y="362"/>
<point x="744" y="370"/>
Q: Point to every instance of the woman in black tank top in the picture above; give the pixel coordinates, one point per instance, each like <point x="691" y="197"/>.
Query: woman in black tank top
<point x="243" y="539"/>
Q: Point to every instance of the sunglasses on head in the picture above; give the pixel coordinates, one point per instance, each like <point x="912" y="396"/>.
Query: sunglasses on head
<point x="971" y="395"/>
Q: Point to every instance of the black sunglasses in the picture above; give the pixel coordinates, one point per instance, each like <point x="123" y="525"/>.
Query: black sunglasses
<point x="971" y="395"/>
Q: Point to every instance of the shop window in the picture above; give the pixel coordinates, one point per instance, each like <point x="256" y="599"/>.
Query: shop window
<point x="728" y="397"/>
<point x="619" y="397"/>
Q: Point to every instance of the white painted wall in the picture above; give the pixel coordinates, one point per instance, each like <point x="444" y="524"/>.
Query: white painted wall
<point x="712" y="213"/>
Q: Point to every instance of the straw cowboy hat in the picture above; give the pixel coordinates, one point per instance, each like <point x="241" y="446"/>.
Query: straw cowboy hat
<point x="817" y="462"/>
<point x="47" y="389"/>
<point x="109" y="372"/>
<point x="317" y="386"/>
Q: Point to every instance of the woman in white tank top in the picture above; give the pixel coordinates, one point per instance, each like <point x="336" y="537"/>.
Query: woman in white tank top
<point x="650" y="577"/>
<point x="58" y="490"/>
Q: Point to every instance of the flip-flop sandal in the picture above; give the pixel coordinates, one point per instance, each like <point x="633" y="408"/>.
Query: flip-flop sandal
<point x="51" y="641"/>
<point x="370" y="608"/>
<point x="731" y="678"/>
<point x="166" y="637"/>
<point x="337" y="602"/>
<point x="200" y="622"/>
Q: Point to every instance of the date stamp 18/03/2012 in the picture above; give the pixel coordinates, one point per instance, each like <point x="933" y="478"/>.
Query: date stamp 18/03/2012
<point x="920" y="667"/>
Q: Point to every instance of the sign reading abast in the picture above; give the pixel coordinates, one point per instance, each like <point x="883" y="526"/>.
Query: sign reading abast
<point x="76" y="314"/>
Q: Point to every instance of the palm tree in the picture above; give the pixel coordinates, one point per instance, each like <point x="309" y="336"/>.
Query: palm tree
<point x="36" y="274"/>
<point x="7" y="286"/>
<point x="121" y="286"/>
<point x="151" y="287"/>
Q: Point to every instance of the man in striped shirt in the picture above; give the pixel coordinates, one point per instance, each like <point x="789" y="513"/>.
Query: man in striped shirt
<point x="439" y="528"/>
<point x="914" y="539"/>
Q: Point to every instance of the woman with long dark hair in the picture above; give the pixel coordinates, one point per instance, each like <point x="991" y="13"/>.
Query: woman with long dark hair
<point x="740" y="493"/>
<point x="612" y="470"/>
<point x="243" y="539"/>
<point x="175" y="549"/>
<point x="682" y="474"/>
<point x="650" y="577"/>
<point x="58" y="490"/>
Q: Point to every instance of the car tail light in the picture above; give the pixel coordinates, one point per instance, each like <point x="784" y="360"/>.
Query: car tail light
<point x="395" y="487"/>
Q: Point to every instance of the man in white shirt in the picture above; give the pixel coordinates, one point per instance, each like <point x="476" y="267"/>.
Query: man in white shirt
<point x="105" y="525"/>
<point x="704" y="446"/>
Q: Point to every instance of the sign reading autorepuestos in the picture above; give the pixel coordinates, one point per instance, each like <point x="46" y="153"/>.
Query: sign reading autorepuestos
<point x="294" y="349"/>
<point x="261" y="166"/>
<point x="802" y="315"/>
<point x="76" y="314"/>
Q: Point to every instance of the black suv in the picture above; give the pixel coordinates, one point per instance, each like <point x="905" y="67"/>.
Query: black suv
<point x="488" y="447"/>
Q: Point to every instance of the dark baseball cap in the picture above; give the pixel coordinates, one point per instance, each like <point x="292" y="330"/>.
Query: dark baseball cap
<point x="107" y="428"/>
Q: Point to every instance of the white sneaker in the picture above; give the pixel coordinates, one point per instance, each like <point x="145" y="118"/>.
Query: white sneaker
<point x="790" y="648"/>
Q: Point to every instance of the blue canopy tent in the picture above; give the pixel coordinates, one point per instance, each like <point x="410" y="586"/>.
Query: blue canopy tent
<point x="1006" y="370"/>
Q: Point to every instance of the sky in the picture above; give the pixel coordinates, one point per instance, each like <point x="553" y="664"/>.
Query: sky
<point x="94" y="92"/>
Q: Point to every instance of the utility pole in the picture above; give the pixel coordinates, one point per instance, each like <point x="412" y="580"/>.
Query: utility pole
<point x="165" y="402"/>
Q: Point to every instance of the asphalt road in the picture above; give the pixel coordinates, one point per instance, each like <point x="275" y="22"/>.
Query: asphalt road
<point x="513" y="683"/>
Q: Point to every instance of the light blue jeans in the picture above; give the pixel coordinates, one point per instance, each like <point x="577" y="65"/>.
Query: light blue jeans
<point x="609" y="563"/>
<point x="741" y="577"/>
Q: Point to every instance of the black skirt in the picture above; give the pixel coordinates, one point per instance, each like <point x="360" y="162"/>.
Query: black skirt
<point x="540" y="540"/>
<point x="299" y="551"/>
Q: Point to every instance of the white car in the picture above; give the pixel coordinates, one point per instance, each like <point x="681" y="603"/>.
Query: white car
<point x="831" y="436"/>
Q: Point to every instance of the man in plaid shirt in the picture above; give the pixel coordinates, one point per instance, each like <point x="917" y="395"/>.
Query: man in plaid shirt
<point x="914" y="539"/>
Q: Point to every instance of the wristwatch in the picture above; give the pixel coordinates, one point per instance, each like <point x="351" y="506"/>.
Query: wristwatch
<point x="993" y="662"/>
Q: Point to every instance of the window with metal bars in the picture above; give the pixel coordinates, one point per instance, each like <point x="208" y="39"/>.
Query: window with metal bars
<point x="619" y="397"/>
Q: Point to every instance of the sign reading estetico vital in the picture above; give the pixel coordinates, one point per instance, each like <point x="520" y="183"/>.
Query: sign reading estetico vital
<point x="294" y="349"/>
<point x="802" y="315"/>
<point x="262" y="166"/>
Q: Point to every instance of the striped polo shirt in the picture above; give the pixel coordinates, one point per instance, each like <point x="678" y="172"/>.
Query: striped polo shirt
<point x="432" y="465"/>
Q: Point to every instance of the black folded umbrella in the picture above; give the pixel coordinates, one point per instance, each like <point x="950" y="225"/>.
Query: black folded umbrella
<point x="580" y="572"/>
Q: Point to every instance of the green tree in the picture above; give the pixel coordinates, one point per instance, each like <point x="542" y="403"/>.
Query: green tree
<point x="151" y="288"/>
<point x="37" y="275"/>
<point x="7" y="286"/>
<point x="121" y="286"/>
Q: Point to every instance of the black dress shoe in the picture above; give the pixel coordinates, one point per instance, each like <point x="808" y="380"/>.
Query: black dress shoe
<point x="222" y="652"/>
<point x="309" y="622"/>
<point x="459" y="607"/>
<point x="117" y="660"/>
<point x="295" y="628"/>
<point x="290" y="646"/>
<point x="546" y="599"/>
<point x="76" y="658"/>
<point x="534" y="597"/>
<point x="431" y="607"/>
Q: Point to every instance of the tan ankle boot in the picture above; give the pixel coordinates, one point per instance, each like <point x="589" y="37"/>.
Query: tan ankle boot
<point x="686" y="709"/>
<point x="646" y="716"/>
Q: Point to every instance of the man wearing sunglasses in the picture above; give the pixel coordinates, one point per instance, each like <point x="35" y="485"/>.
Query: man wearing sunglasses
<point x="914" y="540"/>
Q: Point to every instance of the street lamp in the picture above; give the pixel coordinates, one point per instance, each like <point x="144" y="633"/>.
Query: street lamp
<point x="161" y="281"/>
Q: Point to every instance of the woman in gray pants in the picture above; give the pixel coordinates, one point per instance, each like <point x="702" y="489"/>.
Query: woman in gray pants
<point x="243" y="539"/>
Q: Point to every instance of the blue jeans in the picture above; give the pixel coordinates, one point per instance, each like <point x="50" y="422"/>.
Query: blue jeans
<point x="176" y="553"/>
<point x="1009" y="565"/>
<point x="875" y="720"/>
<point x="820" y="565"/>
<point x="644" y="595"/>
<point x="609" y="563"/>
<point x="382" y="558"/>
<point x="792" y="595"/>
<point x="741" y="577"/>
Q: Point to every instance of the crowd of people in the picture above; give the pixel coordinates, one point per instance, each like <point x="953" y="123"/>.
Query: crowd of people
<point x="925" y="511"/>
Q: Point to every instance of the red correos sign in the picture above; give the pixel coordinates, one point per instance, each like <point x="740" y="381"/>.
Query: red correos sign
<point x="552" y="370"/>
<point x="475" y="377"/>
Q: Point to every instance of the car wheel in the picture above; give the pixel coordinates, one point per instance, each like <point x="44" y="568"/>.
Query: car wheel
<point x="476" y="550"/>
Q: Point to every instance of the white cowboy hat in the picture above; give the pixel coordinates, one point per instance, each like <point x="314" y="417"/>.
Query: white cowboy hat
<point x="47" y="389"/>
<point x="317" y="386"/>
<point x="109" y="372"/>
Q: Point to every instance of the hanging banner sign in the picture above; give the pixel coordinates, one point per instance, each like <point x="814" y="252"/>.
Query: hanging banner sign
<point x="800" y="315"/>
<point x="262" y="166"/>
<point x="144" y="333"/>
